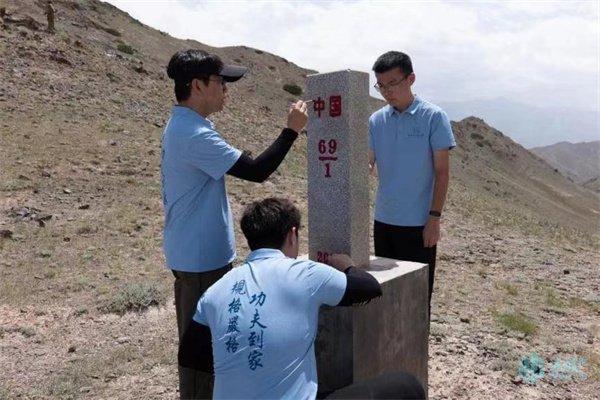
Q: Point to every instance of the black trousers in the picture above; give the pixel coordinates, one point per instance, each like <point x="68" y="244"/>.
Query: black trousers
<point x="404" y="243"/>
<point x="390" y="385"/>
<point x="189" y="287"/>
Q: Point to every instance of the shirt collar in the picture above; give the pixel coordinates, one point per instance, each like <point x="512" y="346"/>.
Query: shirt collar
<point x="188" y="112"/>
<point x="265" y="253"/>
<point x="410" y="110"/>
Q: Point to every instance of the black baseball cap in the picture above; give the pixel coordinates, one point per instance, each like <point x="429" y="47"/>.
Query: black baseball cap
<point x="186" y="65"/>
<point x="232" y="73"/>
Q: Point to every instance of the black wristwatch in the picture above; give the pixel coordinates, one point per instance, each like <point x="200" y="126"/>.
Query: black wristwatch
<point x="435" y="213"/>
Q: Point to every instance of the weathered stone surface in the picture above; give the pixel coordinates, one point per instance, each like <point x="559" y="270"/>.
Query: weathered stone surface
<point x="388" y="334"/>
<point x="338" y="190"/>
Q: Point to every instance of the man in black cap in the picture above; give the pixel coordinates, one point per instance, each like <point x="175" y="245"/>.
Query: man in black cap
<point x="199" y="242"/>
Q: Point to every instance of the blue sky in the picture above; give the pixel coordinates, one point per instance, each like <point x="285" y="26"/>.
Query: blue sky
<point x="541" y="53"/>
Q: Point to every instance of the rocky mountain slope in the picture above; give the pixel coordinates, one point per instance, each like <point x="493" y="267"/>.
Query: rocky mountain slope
<point x="578" y="161"/>
<point x="593" y="184"/>
<point x="81" y="115"/>
<point x="514" y="183"/>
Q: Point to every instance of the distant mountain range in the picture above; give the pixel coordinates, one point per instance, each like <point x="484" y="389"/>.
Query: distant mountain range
<point x="578" y="161"/>
<point x="528" y="125"/>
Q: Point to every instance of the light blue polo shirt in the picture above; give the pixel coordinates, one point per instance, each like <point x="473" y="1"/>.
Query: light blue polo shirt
<point x="198" y="232"/>
<point x="263" y="318"/>
<point x="403" y="143"/>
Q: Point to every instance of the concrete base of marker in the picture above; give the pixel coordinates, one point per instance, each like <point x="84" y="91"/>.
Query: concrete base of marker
<point x="388" y="334"/>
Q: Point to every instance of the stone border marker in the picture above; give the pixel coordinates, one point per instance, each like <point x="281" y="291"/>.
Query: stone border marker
<point x="390" y="333"/>
<point x="338" y="181"/>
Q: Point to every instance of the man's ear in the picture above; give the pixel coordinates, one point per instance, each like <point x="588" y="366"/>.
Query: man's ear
<point x="292" y="236"/>
<point x="290" y="243"/>
<point x="412" y="78"/>
<point x="198" y="85"/>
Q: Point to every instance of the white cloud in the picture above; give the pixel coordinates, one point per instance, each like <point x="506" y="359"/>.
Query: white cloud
<point x="541" y="52"/>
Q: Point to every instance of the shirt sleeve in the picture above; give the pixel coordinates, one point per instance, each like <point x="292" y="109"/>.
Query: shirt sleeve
<point x="326" y="284"/>
<point x="441" y="136"/>
<point x="207" y="151"/>
<point x="200" y="314"/>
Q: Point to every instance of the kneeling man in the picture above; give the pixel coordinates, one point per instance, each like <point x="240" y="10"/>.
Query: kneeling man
<point x="255" y="328"/>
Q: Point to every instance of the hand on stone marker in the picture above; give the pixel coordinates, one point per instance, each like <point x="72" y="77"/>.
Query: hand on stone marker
<point x="297" y="116"/>
<point x="341" y="262"/>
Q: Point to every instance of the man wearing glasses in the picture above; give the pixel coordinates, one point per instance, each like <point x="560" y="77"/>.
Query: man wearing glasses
<point x="199" y="242"/>
<point x="409" y="141"/>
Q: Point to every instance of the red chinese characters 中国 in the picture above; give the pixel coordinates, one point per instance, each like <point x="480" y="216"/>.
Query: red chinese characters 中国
<point x="318" y="106"/>
<point x="335" y="106"/>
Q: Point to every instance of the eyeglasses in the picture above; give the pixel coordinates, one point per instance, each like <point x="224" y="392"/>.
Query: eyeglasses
<point x="390" y="86"/>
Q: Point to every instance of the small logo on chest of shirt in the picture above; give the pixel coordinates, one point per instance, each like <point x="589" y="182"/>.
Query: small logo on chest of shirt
<point x="415" y="131"/>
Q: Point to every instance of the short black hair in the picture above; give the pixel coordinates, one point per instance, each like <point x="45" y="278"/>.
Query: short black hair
<point x="391" y="60"/>
<point x="186" y="65"/>
<point x="266" y="223"/>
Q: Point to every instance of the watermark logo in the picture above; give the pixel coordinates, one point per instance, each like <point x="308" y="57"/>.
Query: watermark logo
<point x="568" y="369"/>
<point x="532" y="368"/>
